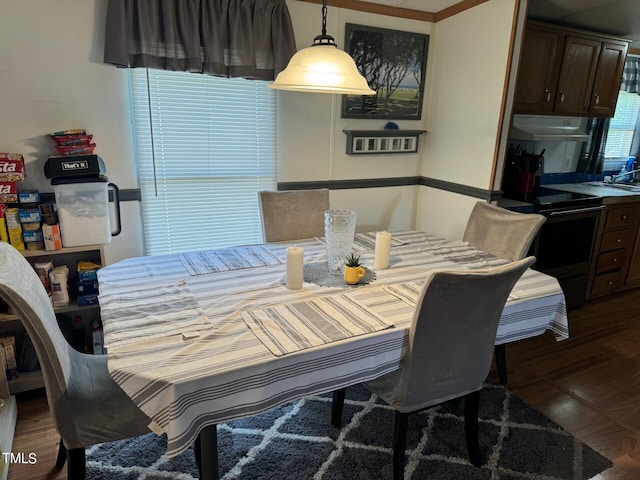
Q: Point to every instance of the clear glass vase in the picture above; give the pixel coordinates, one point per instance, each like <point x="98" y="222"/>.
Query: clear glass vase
<point x="339" y="229"/>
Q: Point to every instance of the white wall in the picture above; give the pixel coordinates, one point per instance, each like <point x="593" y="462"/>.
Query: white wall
<point x="464" y="110"/>
<point x="52" y="78"/>
<point x="312" y="142"/>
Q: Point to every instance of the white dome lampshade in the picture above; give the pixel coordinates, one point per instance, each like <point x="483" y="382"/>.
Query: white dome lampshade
<point x="322" y="68"/>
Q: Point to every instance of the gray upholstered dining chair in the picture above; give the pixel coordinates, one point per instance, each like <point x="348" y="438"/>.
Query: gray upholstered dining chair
<point x="448" y="355"/>
<point x="501" y="232"/>
<point x="293" y="214"/>
<point x="87" y="407"/>
<point x="507" y="235"/>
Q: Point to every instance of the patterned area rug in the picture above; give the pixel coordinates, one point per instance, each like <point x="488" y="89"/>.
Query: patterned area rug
<point x="297" y="442"/>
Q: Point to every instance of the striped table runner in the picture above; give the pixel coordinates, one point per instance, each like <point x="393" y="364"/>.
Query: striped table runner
<point x="155" y="311"/>
<point x="210" y="261"/>
<point x="292" y="327"/>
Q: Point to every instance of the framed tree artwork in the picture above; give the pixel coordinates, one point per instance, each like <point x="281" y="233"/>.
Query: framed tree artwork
<point x="394" y="63"/>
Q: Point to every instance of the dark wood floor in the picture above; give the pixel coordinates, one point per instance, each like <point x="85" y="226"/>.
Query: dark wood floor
<point x="589" y="384"/>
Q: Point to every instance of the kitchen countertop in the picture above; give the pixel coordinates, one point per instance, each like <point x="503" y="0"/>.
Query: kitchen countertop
<point x="608" y="193"/>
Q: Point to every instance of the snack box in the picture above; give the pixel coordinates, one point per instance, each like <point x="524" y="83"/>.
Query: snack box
<point x="88" y="271"/>
<point x="72" y="131"/>
<point x="35" y="236"/>
<point x="29" y="215"/>
<point x="84" y="300"/>
<point x="29" y="196"/>
<point x="76" y="149"/>
<point x="88" y="288"/>
<point x="69" y="140"/>
<point x="11" y="167"/>
<point x="8" y="192"/>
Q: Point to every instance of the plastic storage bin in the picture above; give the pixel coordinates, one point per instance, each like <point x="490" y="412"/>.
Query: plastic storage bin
<point x="83" y="212"/>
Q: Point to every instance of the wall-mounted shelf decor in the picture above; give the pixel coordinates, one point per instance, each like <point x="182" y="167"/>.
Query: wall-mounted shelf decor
<point x="368" y="142"/>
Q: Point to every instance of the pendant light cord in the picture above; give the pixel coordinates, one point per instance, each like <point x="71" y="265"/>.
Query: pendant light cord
<point x="324" y="39"/>
<point x="324" y="18"/>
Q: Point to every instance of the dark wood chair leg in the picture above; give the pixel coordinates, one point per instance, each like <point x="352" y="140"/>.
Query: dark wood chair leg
<point x="76" y="464"/>
<point x="62" y="455"/>
<point x="337" y="407"/>
<point x="399" y="444"/>
<point x="471" y="410"/>
<point x="206" y="452"/>
<point x="500" y="354"/>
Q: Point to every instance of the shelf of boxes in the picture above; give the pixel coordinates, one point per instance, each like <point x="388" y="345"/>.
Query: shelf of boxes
<point x="69" y="256"/>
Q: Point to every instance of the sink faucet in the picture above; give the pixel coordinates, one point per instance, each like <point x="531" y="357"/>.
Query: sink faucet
<point x="620" y="177"/>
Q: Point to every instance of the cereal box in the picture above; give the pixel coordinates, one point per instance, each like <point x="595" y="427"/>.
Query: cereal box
<point x="11" y="167"/>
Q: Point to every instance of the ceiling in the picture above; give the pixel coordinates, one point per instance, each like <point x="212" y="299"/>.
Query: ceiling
<point x="615" y="17"/>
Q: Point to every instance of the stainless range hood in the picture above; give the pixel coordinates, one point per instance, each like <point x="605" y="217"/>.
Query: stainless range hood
<point x="548" y="128"/>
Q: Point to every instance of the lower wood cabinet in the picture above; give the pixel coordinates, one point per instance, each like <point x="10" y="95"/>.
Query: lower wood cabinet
<point x="616" y="250"/>
<point x="633" y="274"/>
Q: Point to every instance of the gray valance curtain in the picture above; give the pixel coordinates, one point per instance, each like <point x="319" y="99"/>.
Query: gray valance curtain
<point x="229" y="38"/>
<point x="631" y="75"/>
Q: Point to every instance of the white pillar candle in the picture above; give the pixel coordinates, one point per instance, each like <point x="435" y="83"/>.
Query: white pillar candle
<point x="383" y="249"/>
<point x="295" y="256"/>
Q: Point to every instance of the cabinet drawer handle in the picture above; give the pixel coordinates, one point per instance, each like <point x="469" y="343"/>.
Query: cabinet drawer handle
<point x="546" y="90"/>
<point x="609" y="282"/>
<point x="561" y="97"/>
<point x="624" y="217"/>
<point x="614" y="260"/>
<point x="597" y="99"/>
<point x="619" y="240"/>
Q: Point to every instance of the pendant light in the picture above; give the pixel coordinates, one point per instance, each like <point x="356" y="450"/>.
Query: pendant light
<point x="322" y="68"/>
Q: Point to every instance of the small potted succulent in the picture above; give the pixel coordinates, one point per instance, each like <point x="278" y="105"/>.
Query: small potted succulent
<point x="353" y="270"/>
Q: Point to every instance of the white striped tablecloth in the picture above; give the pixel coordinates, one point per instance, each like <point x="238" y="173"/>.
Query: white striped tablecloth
<point x="179" y="346"/>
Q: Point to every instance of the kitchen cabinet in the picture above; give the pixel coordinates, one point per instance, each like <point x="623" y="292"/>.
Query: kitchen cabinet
<point x="568" y="72"/>
<point x="10" y="322"/>
<point x="614" y="246"/>
<point x="539" y="66"/>
<point x="633" y="274"/>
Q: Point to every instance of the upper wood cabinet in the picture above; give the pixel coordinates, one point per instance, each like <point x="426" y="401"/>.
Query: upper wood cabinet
<point x="568" y="72"/>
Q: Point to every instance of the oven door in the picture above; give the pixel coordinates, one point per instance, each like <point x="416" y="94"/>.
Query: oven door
<point x="564" y="246"/>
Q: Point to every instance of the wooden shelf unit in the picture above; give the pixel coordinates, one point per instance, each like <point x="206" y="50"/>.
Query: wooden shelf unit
<point x="64" y="256"/>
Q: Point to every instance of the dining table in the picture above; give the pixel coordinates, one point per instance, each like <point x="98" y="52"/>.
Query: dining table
<point x="200" y="338"/>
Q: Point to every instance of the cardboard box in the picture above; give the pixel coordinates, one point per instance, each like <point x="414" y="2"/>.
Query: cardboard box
<point x="87" y="271"/>
<point x="84" y="300"/>
<point x="9" y="345"/>
<point x="8" y="192"/>
<point x="51" y="235"/>
<point x="29" y="196"/>
<point x="4" y="236"/>
<point x="35" y="236"/>
<point x="11" y="167"/>
<point x="14" y="228"/>
<point x="29" y="215"/>
<point x="87" y="288"/>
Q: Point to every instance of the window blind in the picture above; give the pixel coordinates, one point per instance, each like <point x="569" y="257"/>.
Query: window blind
<point x="205" y="147"/>
<point x="622" y="126"/>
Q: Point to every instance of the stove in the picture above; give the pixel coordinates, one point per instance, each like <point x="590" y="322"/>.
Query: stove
<point x="548" y="199"/>
<point x="564" y="244"/>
